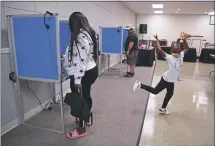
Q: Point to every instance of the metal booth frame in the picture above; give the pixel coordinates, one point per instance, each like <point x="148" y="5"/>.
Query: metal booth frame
<point x="13" y="57"/>
<point x="101" y="66"/>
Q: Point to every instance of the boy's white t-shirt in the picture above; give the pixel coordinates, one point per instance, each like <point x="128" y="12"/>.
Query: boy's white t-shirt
<point x="174" y="67"/>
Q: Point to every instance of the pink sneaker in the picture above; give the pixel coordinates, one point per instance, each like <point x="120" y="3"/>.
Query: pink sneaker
<point x="74" y="134"/>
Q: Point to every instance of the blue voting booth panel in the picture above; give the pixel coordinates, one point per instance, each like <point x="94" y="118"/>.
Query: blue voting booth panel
<point x="112" y="40"/>
<point x="65" y="35"/>
<point x="125" y="35"/>
<point x="36" y="48"/>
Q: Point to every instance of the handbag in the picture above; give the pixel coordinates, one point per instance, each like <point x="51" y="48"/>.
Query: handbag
<point x="79" y="108"/>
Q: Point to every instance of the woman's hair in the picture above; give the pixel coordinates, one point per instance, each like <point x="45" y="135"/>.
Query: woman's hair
<point x="78" y="21"/>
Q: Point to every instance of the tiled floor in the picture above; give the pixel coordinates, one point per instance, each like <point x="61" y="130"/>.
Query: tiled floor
<point x="191" y="121"/>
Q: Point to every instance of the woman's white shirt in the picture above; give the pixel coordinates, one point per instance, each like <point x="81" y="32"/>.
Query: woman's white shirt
<point x="82" y="58"/>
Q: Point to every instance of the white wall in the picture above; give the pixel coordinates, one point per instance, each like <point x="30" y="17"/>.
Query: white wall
<point x="169" y="26"/>
<point x="98" y="13"/>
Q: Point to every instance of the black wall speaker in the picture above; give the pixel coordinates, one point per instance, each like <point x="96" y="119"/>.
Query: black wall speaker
<point x="143" y="29"/>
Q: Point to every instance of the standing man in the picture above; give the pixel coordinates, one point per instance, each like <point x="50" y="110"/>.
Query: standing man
<point x="131" y="49"/>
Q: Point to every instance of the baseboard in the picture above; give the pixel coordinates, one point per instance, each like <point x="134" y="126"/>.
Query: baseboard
<point x="34" y="111"/>
<point x="9" y="126"/>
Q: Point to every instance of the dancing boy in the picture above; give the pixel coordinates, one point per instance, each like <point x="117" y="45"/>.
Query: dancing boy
<point x="175" y="61"/>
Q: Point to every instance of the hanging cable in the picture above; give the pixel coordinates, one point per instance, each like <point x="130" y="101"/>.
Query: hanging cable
<point x="35" y="95"/>
<point x="44" y="18"/>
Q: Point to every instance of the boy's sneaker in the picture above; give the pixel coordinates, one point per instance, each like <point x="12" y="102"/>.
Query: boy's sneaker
<point x="137" y="84"/>
<point x="164" y="111"/>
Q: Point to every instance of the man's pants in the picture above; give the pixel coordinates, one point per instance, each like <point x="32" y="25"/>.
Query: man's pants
<point x="132" y="57"/>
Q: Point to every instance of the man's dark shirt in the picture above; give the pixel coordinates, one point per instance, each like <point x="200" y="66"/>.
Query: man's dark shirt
<point x="132" y="37"/>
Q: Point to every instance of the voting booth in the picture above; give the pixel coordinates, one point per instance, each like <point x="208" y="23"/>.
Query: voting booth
<point x="65" y="35"/>
<point x="112" y="41"/>
<point x="35" y="52"/>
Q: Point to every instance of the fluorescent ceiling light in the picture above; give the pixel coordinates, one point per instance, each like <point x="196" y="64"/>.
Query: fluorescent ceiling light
<point x="211" y="13"/>
<point x="158" y="12"/>
<point x="176" y="11"/>
<point x="159" y="6"/>
<point x="179" y="9"/>
<point x="206" y="12"/>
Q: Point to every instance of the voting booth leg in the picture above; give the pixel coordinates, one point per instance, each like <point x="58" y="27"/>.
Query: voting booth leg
<point x="19" y="108"/>
<point x="54" y="100"/>
<point x="48" y="106"/>
<point x="19" y="104"/>
<point x="61" y="106"/>
<point x="108" y="62"/>
<point x="102" y="64"/>
<point x="99" y="65"/>
<point x="121" y="70"/>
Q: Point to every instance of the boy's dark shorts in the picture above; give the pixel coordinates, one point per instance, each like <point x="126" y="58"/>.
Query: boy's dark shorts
<point x="132" y="57"/>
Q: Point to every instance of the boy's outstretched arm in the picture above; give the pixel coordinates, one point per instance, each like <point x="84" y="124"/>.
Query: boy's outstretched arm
<point x="185" y="36"/>
<point x="186" y="47"/>
<point x="159" y="46"/>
